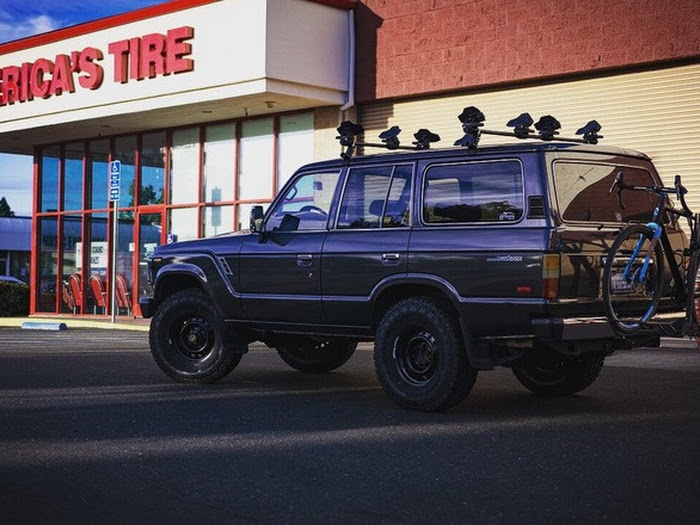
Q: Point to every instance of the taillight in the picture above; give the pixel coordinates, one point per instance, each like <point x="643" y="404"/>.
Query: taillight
<point x="551" y="265"/>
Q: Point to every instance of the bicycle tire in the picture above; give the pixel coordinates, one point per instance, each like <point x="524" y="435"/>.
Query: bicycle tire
<point x="629" y="304"/>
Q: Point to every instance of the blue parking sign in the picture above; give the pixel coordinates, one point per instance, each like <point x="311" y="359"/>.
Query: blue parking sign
<point x="115" y="173"/>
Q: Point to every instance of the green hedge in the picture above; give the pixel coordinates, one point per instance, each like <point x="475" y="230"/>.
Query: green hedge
<point x="14" y="299"/>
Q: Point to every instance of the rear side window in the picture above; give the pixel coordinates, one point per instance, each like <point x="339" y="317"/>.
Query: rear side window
<point x="473" y="192"/>
<point x="582" y="193"/>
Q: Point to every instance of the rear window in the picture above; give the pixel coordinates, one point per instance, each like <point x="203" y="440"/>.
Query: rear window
<point x="473" y="192"/>
<point x="582" y="193"/>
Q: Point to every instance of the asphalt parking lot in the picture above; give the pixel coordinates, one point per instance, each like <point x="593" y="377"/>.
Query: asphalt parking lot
<point x="91" y="431"/>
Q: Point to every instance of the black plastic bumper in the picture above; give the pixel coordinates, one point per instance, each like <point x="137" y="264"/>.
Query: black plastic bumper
<point x="146" y="306"/>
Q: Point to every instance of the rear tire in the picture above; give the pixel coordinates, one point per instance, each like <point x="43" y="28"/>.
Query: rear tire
<point x="186" y="339"/>
<point x="420" y="358"/>
<point x="629" y="304"/>
<point x="556" y="376"/>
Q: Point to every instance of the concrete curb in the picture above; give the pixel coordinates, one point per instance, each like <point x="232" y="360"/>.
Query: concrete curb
<point x="17" y="322"/>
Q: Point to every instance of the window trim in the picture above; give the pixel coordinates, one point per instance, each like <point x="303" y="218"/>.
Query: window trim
<point x="424" y="175"/>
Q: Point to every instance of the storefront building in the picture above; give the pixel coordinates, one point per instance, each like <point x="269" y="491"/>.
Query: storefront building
<point x="210" y="105"/>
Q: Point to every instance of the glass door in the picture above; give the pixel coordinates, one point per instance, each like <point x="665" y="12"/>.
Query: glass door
<point x="150" y="236"/>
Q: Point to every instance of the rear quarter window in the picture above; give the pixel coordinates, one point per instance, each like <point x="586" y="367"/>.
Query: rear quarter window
<point x="474" y="192"/>
<point x="582" y="193"/>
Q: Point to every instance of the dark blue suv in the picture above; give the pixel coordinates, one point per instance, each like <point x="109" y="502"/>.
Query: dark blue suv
<point x="451" y="260"/>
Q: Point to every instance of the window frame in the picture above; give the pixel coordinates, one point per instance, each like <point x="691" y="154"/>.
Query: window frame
<point x="424" y="178"/>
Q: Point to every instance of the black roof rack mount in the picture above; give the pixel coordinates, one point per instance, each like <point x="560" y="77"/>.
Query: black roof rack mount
<point x="547" y="127"/>
<point x="349" y="131"/>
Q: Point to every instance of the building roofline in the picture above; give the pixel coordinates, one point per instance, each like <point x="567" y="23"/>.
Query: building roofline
<point x="137" y="15"/>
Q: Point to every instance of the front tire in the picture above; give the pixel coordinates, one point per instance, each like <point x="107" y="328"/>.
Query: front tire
<point x="419" y="356"/>
<point x="307" y="355"/>
<point x="556" y="376"/>
<point x="186" y="339"/>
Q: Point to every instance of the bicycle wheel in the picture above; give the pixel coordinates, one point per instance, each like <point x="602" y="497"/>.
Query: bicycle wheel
<point x="632" y="279"/>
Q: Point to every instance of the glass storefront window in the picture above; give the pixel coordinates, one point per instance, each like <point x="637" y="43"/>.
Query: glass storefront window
<point x="50" y="162"/>
<point x="183" y="224"/>
<point x="125" y="151"/>
<point x="98" y="166"/>
<point x="295" y="145"/>
<point x="184" y="166"/>
<point x="217" y="219"/>
<point x="152" y="169"/>
<point x="97" y="258"/>
<point x="72" y="263"/>
<point x="219" y="162"/>
<point x="125" y="266"/>
<point x="48" y="264"/>
<point x="256" y="160"/>
<point x="73" y="178"/>
<point x="243" y="222"/>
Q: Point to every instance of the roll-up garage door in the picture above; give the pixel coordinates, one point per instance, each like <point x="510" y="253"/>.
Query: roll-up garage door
<point x="657" y="112"/>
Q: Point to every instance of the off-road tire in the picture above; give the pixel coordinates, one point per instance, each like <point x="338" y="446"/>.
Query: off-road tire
<point x="420" y="356"/>
<point x="559" y="376"/>
<point x="316" y="357"/>
<point x="187" y="339"/>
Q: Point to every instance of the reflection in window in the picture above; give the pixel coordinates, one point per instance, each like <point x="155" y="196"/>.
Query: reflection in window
<point x="256" y="160"/>
<point x="73" y="179"/>
<point x="48" y="264"/>
<point x="183" y="224"/>
<point x="582" y="193"/>
<point x="72" y="264"/>
<point x="125" y="151"/>
<point x="305" y="204"/>
<point x="98" y="165"/>
<point x="49" y="179"/>
<point x="184" y="166"/>
<point x="219" y="162"/>
<point x="363" y="201"/>
<point x="217" y="219"/>
<point x="152" y="169"/>
<point x="473" y="192"/>
<point x="125" y="265"/>
<point x="295" y="145"/>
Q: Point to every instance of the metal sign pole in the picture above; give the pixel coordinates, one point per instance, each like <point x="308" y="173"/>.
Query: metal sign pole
<point x="115" y="231"/>
<point x="115" y="172"/>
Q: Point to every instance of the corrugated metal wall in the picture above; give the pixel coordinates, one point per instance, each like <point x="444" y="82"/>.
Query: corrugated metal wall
<point x="657" y="112"/>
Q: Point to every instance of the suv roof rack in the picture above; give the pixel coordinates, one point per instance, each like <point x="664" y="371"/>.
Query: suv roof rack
<point x="349" y="131"/>
<point x="472" y="120"/>
<point x="547" y="127"/>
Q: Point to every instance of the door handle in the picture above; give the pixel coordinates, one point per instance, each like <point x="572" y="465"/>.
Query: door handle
<point x="390" y="259"/>
<point x="305" y="259"/>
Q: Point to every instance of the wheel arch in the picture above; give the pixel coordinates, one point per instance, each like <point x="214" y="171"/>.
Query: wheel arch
<point x="174" y="278"/>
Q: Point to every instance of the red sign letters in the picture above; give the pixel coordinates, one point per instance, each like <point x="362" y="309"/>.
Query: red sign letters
<point x="137" y="58"/>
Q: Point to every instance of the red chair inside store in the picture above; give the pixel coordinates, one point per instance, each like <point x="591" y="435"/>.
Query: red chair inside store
<point x="97" y="286"/>
<point x="75" y="282"/>
<point x="123" y="294"/>
<point x="67" y="296"/>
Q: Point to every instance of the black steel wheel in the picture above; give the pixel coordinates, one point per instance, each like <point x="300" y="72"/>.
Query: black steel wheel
<point x="186" y="339"/>
<point x="630" y="299"/>
<point x="307" y="355"/>
<point x="559" y="376"/>
<point x="420" y="357"/>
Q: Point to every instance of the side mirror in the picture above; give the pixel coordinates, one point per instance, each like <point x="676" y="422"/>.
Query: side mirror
<point x="256" y="219"/>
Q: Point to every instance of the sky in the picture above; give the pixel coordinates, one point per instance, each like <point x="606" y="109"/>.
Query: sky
<point x="23" y="18"/>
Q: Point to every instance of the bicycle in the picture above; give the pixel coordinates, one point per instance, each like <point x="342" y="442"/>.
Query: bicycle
<point x="633" y="276"/>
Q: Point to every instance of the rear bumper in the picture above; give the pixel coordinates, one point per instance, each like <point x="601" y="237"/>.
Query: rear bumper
<point x="572" y="329"/>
